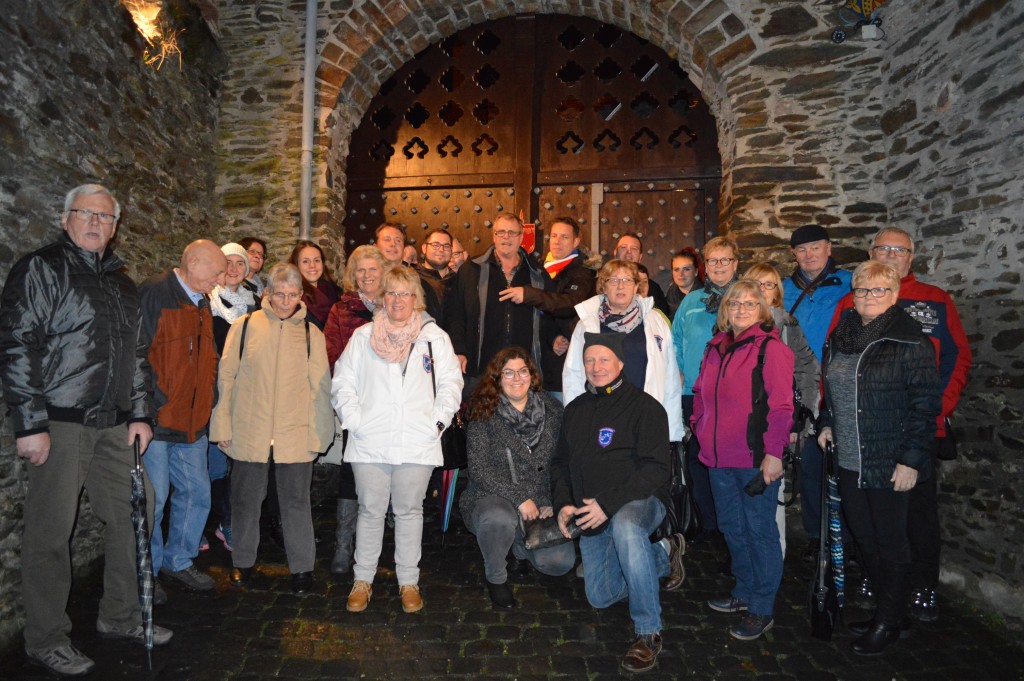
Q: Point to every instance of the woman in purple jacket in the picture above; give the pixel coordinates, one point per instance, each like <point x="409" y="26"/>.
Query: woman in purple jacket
<point x="742" y="433"/>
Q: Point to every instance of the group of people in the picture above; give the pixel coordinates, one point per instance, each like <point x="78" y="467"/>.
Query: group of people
<point x="578" y="389"/>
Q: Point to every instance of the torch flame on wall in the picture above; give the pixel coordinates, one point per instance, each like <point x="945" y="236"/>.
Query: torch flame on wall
<point x="164" y="43"/>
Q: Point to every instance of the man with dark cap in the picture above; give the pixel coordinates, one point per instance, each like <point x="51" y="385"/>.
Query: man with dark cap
<point x="811" y="294"/>
<point x="610" y="476"/>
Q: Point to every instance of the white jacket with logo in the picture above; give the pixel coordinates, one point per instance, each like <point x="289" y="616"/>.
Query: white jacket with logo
<point x="393" y="418"/>
<point x="662" y="380"/>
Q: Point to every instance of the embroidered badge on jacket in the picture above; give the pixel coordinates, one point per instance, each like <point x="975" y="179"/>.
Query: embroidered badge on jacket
<point x="427" y="364"/>
<point x="604" y="436"/>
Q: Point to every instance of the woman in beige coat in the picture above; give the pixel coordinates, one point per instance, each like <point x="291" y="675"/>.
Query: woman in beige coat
<point x="272" y="412"/>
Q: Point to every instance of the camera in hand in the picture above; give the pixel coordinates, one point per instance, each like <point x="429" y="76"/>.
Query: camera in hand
<point x="756" y="485"/>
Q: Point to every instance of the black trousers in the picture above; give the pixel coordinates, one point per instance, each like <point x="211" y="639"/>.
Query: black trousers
<point x="878" y="521"/>
<point x="923" y="528"/>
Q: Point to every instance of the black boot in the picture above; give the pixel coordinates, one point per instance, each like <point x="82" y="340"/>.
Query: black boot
<point x="891" y="594"/>
<point x="501" y="595"/>
<point x="876" y="639"/>
<point x="861" y="628"/>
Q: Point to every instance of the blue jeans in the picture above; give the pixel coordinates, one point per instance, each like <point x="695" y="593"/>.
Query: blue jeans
<point x="621" y="562"/>
<point x="184" y="467"/>
<point x="748" y="524"/>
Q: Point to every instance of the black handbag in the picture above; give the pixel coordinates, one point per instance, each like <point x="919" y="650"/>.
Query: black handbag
<point x="453" y="438"/>
<point x="682" y="516"/>
<point x="823" y="604"/>
<point x="543" y="533"/>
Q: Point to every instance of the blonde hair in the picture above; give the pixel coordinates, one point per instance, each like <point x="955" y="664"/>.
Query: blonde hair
<point x="366" y="251"/>
<point x="721" y="242"/>
<point x="873" y="269"/>
<point x="401" y="274"/>
<point x="611" y="267"/>
<point x="735" y="291"/>
<point x="767" y="270"/>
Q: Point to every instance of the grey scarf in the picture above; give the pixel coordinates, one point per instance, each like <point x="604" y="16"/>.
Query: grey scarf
<point x="527" y="424"/>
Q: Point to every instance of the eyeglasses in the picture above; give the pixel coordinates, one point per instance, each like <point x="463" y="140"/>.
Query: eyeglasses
<point x="898" y="251"/>
<point x="768" y="285"/>
<point x="717" y="261"/>
<point x="397" y="295"/>
<point x="86" y="215"/>
<point x="506" y="233"/>
<point x="509" y="374"/>
<point x="876" y="292"/>
<point x="748" y="305"/>
<point x="286" y="296"/>
<point x="256" y="253"/>
<point x="621" y="281"/>
<point x="438" y="246"/>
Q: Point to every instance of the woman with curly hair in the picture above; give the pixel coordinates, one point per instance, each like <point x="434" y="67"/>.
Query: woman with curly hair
<point x="512" y="433"/>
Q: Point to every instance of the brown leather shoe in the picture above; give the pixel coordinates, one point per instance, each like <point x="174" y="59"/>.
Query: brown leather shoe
<point x="359" y="596"/>
<point x="643" y="654"/>
<point x="411" y="599"/>
<point x="677" y="571"/>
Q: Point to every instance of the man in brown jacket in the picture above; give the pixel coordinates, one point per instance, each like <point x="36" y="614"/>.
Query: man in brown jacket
<point x="177" y="327"/>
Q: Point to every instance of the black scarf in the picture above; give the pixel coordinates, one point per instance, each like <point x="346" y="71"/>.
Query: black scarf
<point x="715" y="294"/>
<point x="852" y="336"/>
<point x="527" y="424"/>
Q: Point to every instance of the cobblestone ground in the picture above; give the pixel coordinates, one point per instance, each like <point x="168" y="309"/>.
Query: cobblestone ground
<point x="268" y="633"/>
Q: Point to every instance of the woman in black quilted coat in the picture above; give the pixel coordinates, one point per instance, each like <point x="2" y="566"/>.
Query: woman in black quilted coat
<point x="881" y="399"/>
<point x="511" y="437"/>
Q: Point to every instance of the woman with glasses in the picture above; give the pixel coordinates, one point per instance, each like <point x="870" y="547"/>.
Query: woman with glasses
<point x="272" y="413"/>
<point x="650" y="358"/>
<point x="395" y="389"/>
<point x="319" y="292"/>
<point x="686" y="276"/>
<point x="741" y="442"/>
<point x="363" y="281"/>
<point x="512" y="433"/>
<point x="256" y="251"/>
<point x="881" y="399"/>
<point x="229" y="302"/>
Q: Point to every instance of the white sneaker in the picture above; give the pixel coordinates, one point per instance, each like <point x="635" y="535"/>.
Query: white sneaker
<point x="65" y="660"/>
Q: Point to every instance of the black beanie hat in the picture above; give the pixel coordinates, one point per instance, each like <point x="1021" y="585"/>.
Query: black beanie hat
<point x="612" y="341"/>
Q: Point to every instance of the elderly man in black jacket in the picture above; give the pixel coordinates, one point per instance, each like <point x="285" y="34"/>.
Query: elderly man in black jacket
<point x="75" y="383"/>
<point x="610" y="476"/>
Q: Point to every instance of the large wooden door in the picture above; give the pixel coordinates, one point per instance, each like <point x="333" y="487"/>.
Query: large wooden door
<point x="545" y="114"/>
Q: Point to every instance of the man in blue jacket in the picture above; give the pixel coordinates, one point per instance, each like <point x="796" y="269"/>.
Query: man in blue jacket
<point x="811" y="294"/>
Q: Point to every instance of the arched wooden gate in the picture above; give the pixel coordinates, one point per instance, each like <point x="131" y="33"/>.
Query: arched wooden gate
<point x="545" y="114"/>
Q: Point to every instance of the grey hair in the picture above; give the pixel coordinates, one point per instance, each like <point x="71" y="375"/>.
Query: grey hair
<point x="89" y="190"/>
<point x="284" y="273"/>
<point x="893" y="230"/>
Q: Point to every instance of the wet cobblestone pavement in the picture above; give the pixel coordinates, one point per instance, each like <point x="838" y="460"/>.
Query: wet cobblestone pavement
<point x="265" y="632"/>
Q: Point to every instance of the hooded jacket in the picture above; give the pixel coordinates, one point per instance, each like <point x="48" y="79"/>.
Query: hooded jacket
<point x="723" y="398"/>
<point x="390" y="417"/>
<point x="815" y="310"/>
<point x="662" y="378"/>
<point x="276" y="393"/>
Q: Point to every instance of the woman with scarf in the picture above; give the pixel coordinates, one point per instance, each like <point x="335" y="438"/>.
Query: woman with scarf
<point x="362" y="281"/>
<point x="692" y="328"/>
<point x="395" y="389"/>
<point x="229" y="302"/>
<point x="318" y="291"/>
<point x="650" y="358"/>
<point x="512" y="433"/>
<point x="881" y="398"/>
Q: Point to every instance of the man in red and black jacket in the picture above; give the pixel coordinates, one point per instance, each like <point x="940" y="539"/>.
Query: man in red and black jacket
<point x="933" y="308"/>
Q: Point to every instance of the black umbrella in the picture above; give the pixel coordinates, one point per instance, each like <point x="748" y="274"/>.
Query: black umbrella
<point x="143" y="559"/>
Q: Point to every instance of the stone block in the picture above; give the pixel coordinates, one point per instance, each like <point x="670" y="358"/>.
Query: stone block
<point x="788" y="21"/>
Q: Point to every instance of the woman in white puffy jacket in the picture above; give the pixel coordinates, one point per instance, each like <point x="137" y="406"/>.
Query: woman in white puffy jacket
<point x="395" y="388"/>
<point x="650" y="355"/>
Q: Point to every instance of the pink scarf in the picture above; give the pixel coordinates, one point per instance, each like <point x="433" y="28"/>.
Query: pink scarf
<point x="393" y="343"/>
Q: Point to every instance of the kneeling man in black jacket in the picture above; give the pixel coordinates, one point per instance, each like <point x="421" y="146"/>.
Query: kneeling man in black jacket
<point x="610" y="476"/>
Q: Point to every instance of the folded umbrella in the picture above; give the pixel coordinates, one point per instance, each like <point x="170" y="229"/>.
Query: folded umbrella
<point x="143" y="559"/>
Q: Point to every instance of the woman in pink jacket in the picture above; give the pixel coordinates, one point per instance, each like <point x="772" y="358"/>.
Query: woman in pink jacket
<point x="742" y="414"/>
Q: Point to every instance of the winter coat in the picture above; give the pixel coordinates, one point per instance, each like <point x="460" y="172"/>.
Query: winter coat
<point x="614" y="447"/>
<point x="392" y="418"/>
<point x="934" y="310"/>
<point x="500" y="464"/>
<point x="275" y="394"/>
<point x="723" y="398"/>
<point x="347" y="315"/>
<point x="179" y="335"/>
<point x="692" y="328"/>
<point x="69" y="341"/>
<point x="662" y="382"/>
<point x="815" y="310"/>
<point x="806" y="369"/>
<point x="465" y="309"/>
<point x="898" y="397"/>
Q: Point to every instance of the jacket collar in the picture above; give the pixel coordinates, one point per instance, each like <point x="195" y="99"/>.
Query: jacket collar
<point x="106" y="262"/>
<point x="297" y="318"/>
<point x="489" y="258"/>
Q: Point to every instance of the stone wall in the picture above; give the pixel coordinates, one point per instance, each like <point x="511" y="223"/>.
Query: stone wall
<point x="952" y="80"/>
<point x="79" y="105"/>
